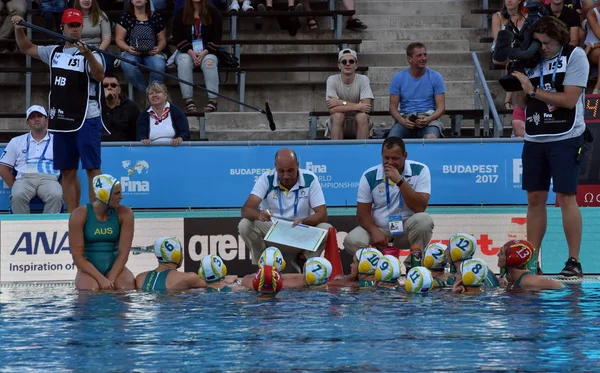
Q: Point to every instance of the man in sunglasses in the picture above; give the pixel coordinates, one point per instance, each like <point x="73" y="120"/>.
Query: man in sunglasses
<point x="120" y="113"/>
<point x="74" y="103"/>
<point x="349" y="100"/>
<point x="417" y="98"/>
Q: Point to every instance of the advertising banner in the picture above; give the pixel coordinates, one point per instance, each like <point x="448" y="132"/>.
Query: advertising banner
<point x="39" y="250"/>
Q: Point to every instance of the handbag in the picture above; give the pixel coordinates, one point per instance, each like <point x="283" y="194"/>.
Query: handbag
<point x="142" y="37"/>
<point x="225" y="58"/>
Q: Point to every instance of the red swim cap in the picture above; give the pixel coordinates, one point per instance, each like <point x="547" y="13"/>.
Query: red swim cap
<point x="518" y="252"/>
<point x="267" y="280"/>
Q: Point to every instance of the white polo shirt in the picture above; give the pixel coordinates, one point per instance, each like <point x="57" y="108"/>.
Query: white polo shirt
<point x="296" y="203"/>
<point x="371" y="189"/>
<point x="26" y="155"/>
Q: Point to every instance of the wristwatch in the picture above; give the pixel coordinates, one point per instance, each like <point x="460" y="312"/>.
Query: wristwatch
<point x="534" y="92"/>
<point x="344" y="103"/>
<point x="400" y="182"/>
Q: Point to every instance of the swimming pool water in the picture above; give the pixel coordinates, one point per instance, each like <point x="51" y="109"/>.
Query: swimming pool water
<point x="61" y="330"/>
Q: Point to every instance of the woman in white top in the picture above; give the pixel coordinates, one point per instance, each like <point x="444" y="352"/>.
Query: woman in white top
<point x="163" y="123"/>
<point x="96" y="26"/>
<point x="592" y="40"/>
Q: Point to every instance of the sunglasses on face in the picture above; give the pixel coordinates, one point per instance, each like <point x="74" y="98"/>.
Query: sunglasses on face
<point x="74" y="25"/>
<point x="111" y="85"/>
<point x="347" y="62"/>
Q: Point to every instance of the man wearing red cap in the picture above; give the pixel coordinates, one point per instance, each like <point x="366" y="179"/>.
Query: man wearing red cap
<point x="75" y="112"/>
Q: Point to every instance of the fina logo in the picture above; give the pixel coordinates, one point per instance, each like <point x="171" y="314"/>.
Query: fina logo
<point x="316" y="168"/>
<point x="517" y="172"/>
<point x="135" y="186"/>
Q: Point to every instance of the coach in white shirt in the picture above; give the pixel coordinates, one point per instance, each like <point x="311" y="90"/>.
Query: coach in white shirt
<point x="288" y="193"/>
<point x="31" y="156"/>
<point x="393" y="194"/>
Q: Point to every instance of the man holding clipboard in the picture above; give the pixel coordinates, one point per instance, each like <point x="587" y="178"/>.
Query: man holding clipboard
<point x="287" y="193"/>
<point x="391" y="203"/>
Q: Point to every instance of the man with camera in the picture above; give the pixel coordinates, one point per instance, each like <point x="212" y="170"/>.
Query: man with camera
<point x="552" y="96"/>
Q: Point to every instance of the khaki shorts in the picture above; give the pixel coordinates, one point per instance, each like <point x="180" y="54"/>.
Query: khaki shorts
<point x="349" y="126"/>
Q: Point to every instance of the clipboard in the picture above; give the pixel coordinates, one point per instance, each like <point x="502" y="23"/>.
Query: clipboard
<point x="301" y="236"/>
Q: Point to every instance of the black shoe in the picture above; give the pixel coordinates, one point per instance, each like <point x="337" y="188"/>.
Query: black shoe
<point x="355" y="24"/>
<point x="572" y="269"/>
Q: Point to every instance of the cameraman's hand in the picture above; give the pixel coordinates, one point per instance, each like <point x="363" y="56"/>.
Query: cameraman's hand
<point x="525" y="83"/>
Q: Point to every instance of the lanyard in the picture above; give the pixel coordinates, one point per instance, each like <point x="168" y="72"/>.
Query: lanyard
<point x="197" y="32"/>
<point x="553" y="74"/>
<point x="281" y="203"/>
<point x="42" y="158"/>
<point x="387" y="194"/>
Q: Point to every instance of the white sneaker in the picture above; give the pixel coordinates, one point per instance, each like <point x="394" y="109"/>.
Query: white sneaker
<point x="246" y="6"/>
<point x="234" y="6"/>
<point x="595" y="91"/>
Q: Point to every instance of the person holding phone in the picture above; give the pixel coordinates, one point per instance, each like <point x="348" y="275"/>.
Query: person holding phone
<point x="417" y="98"/>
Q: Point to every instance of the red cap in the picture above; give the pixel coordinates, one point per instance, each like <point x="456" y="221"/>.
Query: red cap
<point x="72" y="15"/>
<point x="267" y="281"/>
<point x="518" y="252"/>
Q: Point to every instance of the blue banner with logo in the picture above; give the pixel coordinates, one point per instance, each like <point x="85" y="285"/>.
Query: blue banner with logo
<point x="222" y="176"/>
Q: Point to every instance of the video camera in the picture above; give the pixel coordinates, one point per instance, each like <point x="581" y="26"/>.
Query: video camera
<point x="519" y="47"/>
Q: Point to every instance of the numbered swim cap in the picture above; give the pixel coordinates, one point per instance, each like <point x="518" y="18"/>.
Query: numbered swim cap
<point x="272" y="257"/>
<point x="474" y="272"/>
<point x="168" y="250"/>
<point x="212" y="268"/>
<point x="317" y="271"/>
<point x="462" y="246"/>
<point x="518" y="252"/>
<point x="435" y="256"/>
<point x="388" y="269"/>
<point x="367" y="260"/>
<point x="267" y="281"/>
<point x="103" y="187"/>
<point x="418" y="280"/>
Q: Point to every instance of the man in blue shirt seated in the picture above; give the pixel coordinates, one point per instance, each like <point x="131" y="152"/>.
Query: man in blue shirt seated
<point x="417" y="98"/>
<point x="31" y="155"/>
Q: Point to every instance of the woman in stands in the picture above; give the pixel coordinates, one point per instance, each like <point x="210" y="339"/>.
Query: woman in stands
<point x="592" y="40"/>
<point x="198" y="29"/>
<point x="96" y="26"/>
<point x="100" y="235"/>
<point x="512" y="11"/>
<point x="163" y="123"/>
<point x="142" y="36"/>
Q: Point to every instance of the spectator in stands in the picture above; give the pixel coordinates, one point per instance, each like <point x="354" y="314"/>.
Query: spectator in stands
<point x="96" y="26"/>
<point x="142" y="36"/>
<point x="31" y="156"/>
<point x="74" y="103"/>
<point x="289" y="193"/>
<point x="349" y="99"/>
<point x="352" y="23"/>
<point x="52" y="11"/>
<point x="119" y="114"/>
<point x="569" y="16"/>
<point x="392" y="199"/>
<point x="417" y="98"/>
<point x="554" y="134"/>
<point x="592" y="40"/>
<point x="14" y="8"/>
<point x="162" y="123"/>
<point x="197" y="29"/>
<point x="310" y="21"/>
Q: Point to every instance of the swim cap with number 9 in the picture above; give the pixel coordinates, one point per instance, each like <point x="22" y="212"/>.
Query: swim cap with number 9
<point x="388" y="269"/>
<point x="462" y="246"/>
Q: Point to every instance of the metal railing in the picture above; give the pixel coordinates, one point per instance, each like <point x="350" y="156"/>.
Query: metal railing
<point x="480" y="84"/>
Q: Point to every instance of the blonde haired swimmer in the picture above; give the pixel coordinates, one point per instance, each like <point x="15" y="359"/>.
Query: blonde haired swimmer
<point x="100" y="235"/>
<point x="435" y="258"/>
<point x="474" y="273"/>
<point x="388" y="272"/>
<point x="514" y="257"/>
<point x="169" y="253"/>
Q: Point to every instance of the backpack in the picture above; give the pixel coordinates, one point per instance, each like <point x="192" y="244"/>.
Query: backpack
<point x="142" y="37"/>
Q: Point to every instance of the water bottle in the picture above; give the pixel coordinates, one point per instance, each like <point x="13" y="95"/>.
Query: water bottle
<point x="391" y="250"/>
<point x="415" y="256"/>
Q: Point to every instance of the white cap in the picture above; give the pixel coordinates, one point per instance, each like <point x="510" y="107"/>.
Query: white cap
<point x="36" y="109"/>
<point x="345" y="52"/>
